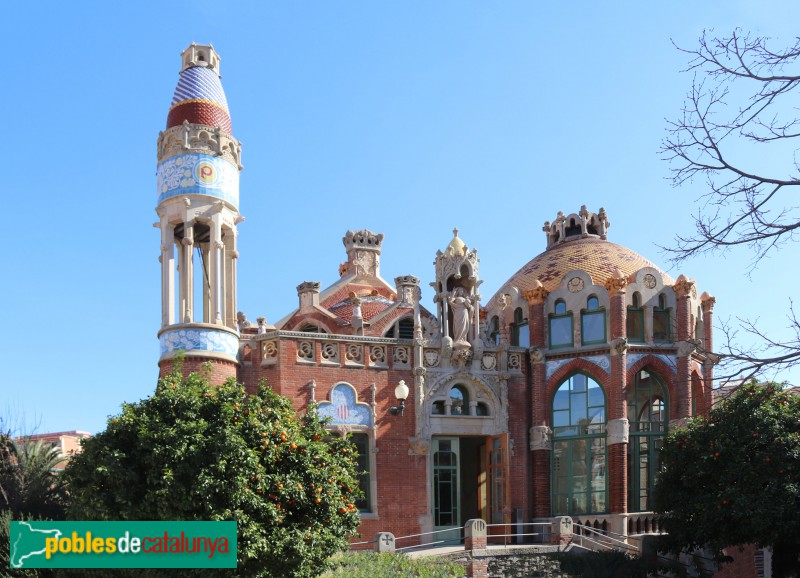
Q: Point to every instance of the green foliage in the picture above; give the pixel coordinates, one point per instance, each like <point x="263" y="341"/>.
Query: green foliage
<point x="196" y="452"/>
<point x="374" y="565"/>
<point x="29" y="485"/>
<point x="734" y="478"/>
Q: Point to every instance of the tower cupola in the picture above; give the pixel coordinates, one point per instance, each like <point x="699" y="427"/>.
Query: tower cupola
<point x="198" y="207"/>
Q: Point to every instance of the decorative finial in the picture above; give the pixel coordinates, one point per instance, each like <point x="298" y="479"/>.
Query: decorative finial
<point x="455" y="232"/>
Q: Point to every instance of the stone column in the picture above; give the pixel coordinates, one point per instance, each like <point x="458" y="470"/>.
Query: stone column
<point x="186" y="267"/>
<point x="229" y="284"/>
<point x="540" y="434"/>
<point x="215" y="269"/>
<point x="617" y="438"/>
<point x="684" y="291"/>
<point x="167" y="259"/>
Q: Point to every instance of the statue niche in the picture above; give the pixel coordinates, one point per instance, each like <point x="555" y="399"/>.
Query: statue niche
<point x="460" y="309"/>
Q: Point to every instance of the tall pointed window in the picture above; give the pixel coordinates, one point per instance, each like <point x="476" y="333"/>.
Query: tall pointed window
<point x="647" y="413"/>
<point x="560" y="326"/>
<point x="579" y="447"/>
<point x="635" y="320"/>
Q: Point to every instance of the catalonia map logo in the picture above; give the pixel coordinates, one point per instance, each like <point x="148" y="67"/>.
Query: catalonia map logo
<point x="123" y="545"/>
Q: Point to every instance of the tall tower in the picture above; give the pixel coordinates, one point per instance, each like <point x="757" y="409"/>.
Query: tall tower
<point x="198" y="210"/>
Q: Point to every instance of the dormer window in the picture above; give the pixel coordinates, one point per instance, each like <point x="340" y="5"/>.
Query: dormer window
<point x="635" y="320"/>
<point x="560" y="326"/>
<point x="403" y="329"/>
<point x="661" y="324"/>
<point x="309" y="328"/>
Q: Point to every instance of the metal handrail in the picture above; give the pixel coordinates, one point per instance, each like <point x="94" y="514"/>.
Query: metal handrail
<point x="600" y="534"/>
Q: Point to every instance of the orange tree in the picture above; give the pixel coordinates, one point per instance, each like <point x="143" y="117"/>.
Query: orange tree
<point x="196" y="452"/>
<point x="733" y="478"/>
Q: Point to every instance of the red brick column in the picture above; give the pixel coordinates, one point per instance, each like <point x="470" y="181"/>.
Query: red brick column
<point x="707" y="302"/>
<point x="684" y="288"/>
<point x="617" y="433"/>
<point x="475" y="543"/>
<point x="217" y="370"/>
<point x="540" y="405"/>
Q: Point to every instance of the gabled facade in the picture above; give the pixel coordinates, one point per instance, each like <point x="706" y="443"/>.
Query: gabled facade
<point x="550" y="397"/>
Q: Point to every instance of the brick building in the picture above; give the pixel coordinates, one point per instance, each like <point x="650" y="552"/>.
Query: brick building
<point x="550" y="397"/>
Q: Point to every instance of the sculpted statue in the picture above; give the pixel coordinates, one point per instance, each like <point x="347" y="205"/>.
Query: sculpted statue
<point x="461" y="306"/>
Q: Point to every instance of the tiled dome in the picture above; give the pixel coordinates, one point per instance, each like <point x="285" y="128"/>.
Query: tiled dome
<point x="599" y="258"/>
<point x="199" y="98"/>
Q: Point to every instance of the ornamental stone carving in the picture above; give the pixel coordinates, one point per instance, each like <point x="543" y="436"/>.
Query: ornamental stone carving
<point x="330" y="352"/>
<point x="575" y="285"/>
<point x="514" y="361"/>
<point x="708" y="301"/>
<point x="198" y="138"/>
<point x="616" y="283"/>
<point x="537" y="355"/>
<point x="687" y="347"/>
<point x="619" y="346"/>
<point x="269" y="350"/>
<point x="419" y="446"/>
<point x="649" y="281"/>
<point x="401" y="355"/>
<point x="354" y="353"/>
<point x="305" y="350"/>
<point x="488" y="362"/>
<point x="431" y="358"/>
<point x="684" y="287"/>
<point x="537" y="295"/>
<point x="541" y="438"/>
<point x="617" y="431"/>
<point x="377" y="355"/>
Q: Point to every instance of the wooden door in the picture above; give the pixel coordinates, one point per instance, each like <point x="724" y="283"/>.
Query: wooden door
<point x="497" y="474"/>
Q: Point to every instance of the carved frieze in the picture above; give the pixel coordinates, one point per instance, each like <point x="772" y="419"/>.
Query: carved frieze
<point x="198" y="138"/>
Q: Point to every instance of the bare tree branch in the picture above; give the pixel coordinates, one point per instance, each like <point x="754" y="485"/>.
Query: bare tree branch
<point x="725" y="144"/>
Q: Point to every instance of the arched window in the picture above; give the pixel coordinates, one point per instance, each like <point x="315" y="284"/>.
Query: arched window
<point x="593" y="322"/>
<point x="403" y="329"/>
<point x="560" y="326"/>
<point x="520" y="334"/>
<point x="647" y="413"/>
<point x="661" y="320"/>
<point x="579" y="447"/>
<point x="635" y="320"/>
<point x="345" y="412"/>
<point x="459" y="401"/>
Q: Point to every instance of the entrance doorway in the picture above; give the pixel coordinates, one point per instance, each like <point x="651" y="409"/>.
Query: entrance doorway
<point x="469" y="480"/>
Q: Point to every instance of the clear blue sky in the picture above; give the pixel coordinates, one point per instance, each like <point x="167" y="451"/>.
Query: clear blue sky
<point x="407" y="118"/>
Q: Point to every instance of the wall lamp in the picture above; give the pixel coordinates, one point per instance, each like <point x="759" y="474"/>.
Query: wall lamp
<point x="401" y="393"/>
